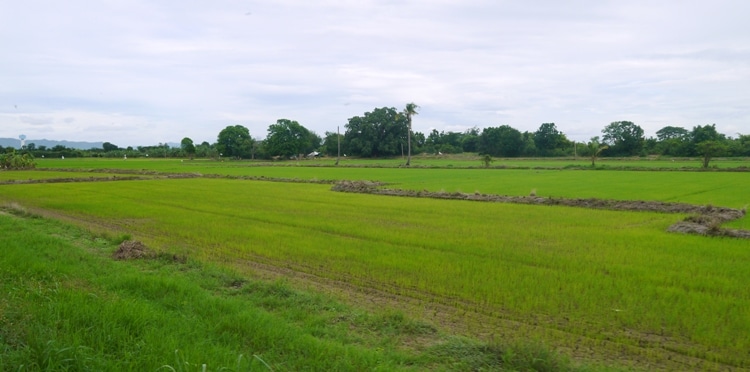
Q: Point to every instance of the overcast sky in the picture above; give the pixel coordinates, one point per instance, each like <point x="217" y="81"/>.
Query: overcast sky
<point x="137" y="72"/>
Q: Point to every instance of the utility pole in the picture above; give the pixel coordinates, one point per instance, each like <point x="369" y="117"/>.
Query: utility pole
<point x="338" y="142"/>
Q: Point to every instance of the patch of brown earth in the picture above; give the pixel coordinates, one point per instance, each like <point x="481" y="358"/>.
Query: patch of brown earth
<point x="132" y="250"/>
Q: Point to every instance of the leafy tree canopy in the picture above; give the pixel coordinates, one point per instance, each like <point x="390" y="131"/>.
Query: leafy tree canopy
<point x="187" y="146"/>
<point x="624" y="138"/>
<point x="289" y="138"/>
<point x="107" y="147"/>
<point x="504" y="141"/>
<point x="381" y="132"/>
<point x="670" y="132"/>
<point x="233" y="140"/>
<point x="547" y="139"/>
<point x="705" y="133"/>
<point x="709" y="149"/>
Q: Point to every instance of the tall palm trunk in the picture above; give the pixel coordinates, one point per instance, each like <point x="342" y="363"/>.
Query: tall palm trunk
<point x="408" y="142"/>
<point x="409" y="111"/>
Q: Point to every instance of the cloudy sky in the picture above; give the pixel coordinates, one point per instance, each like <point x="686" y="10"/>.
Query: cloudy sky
<point x="137" y="72"/>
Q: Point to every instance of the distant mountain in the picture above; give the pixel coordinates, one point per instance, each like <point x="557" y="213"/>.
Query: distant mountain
<point x="16" y="143"/>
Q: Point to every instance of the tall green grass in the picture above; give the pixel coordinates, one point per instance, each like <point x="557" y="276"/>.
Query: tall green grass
<point x="67" y="306"/>
<point x="602" y="275"/>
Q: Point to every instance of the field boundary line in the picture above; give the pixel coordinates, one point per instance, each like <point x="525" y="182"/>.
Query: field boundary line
<point x="705" y="220"/>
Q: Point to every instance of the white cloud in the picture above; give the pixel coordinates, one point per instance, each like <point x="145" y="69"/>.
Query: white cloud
<point x="139" y="72"/>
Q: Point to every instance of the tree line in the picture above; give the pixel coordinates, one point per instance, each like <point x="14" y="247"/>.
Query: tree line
<point x="386" y="132"/>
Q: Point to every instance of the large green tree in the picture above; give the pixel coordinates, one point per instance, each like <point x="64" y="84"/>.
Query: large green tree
<point x="187" y="146"/>
<point x="382" y="132"/>
<point x="624" y="138"/>
<point x="670" y="132"/>
<point x="704" y="133"/>
<point x="233" y="141"/>
<point x="673" y="141"/>
<point x="548" y="140"/>
<point x="289" y="138"/>
<point x="709" y="149"/>
<point x="410" y="110"/>
<point x="504" y="141"/>
<point x="470" y="140"/>
<point x="108" y="147"/>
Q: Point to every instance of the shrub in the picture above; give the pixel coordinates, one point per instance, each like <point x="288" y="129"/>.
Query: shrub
<point x="15" y="161"/>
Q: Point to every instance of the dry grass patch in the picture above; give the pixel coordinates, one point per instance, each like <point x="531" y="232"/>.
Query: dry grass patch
<point x="132" y="250"/>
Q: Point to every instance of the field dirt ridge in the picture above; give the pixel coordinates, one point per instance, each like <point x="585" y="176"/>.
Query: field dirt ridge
<point x="704" y="219"/>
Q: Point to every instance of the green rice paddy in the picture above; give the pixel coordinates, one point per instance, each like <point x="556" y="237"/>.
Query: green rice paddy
<point x="613" y="282"/>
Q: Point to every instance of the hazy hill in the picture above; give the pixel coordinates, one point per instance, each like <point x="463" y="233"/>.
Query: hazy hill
<point x="15" y="142"/>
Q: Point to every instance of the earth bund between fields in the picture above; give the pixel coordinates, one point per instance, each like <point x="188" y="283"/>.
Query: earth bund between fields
<point x="704" y="220"/>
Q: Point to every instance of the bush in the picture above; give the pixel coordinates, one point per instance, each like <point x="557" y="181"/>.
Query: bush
<point x="15" y="161"/>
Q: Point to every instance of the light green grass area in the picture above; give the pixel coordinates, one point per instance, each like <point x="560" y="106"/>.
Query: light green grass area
<point x="724" y="189"/>
<point x="715" y="188"/>
<point x="66" y="306"/>
<point x="615" y="277"/>
<point x="470" y="160"/>
<point x="419" y="161"/>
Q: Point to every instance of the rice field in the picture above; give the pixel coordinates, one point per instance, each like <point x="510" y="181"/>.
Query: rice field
<point x="614" y="282"/>
<point x="468" y="160"/>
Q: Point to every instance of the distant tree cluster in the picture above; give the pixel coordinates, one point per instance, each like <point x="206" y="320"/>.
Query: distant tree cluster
<point x="387" y="132"/>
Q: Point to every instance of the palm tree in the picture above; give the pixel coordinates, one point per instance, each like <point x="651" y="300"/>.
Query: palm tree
<point x="411" y="109"/>
<point x="595" y="149"/>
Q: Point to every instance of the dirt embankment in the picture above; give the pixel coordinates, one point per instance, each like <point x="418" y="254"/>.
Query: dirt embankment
<point x="704" y="220"/>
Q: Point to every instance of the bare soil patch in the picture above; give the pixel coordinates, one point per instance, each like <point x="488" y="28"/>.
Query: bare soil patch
<point x="132" y="250"/>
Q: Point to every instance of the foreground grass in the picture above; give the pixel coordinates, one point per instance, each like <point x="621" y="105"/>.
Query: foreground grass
<point x="67" y="306"/>
<point x="616" y="278"/>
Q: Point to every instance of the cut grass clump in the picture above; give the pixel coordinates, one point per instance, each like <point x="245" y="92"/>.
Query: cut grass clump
<point x="131" y="250"/>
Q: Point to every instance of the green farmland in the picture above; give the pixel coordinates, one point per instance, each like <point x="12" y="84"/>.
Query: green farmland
<point x="605" y="288"/>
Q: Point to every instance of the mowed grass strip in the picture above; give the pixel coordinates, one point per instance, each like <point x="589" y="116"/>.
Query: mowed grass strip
<point x="615" y="276"/>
